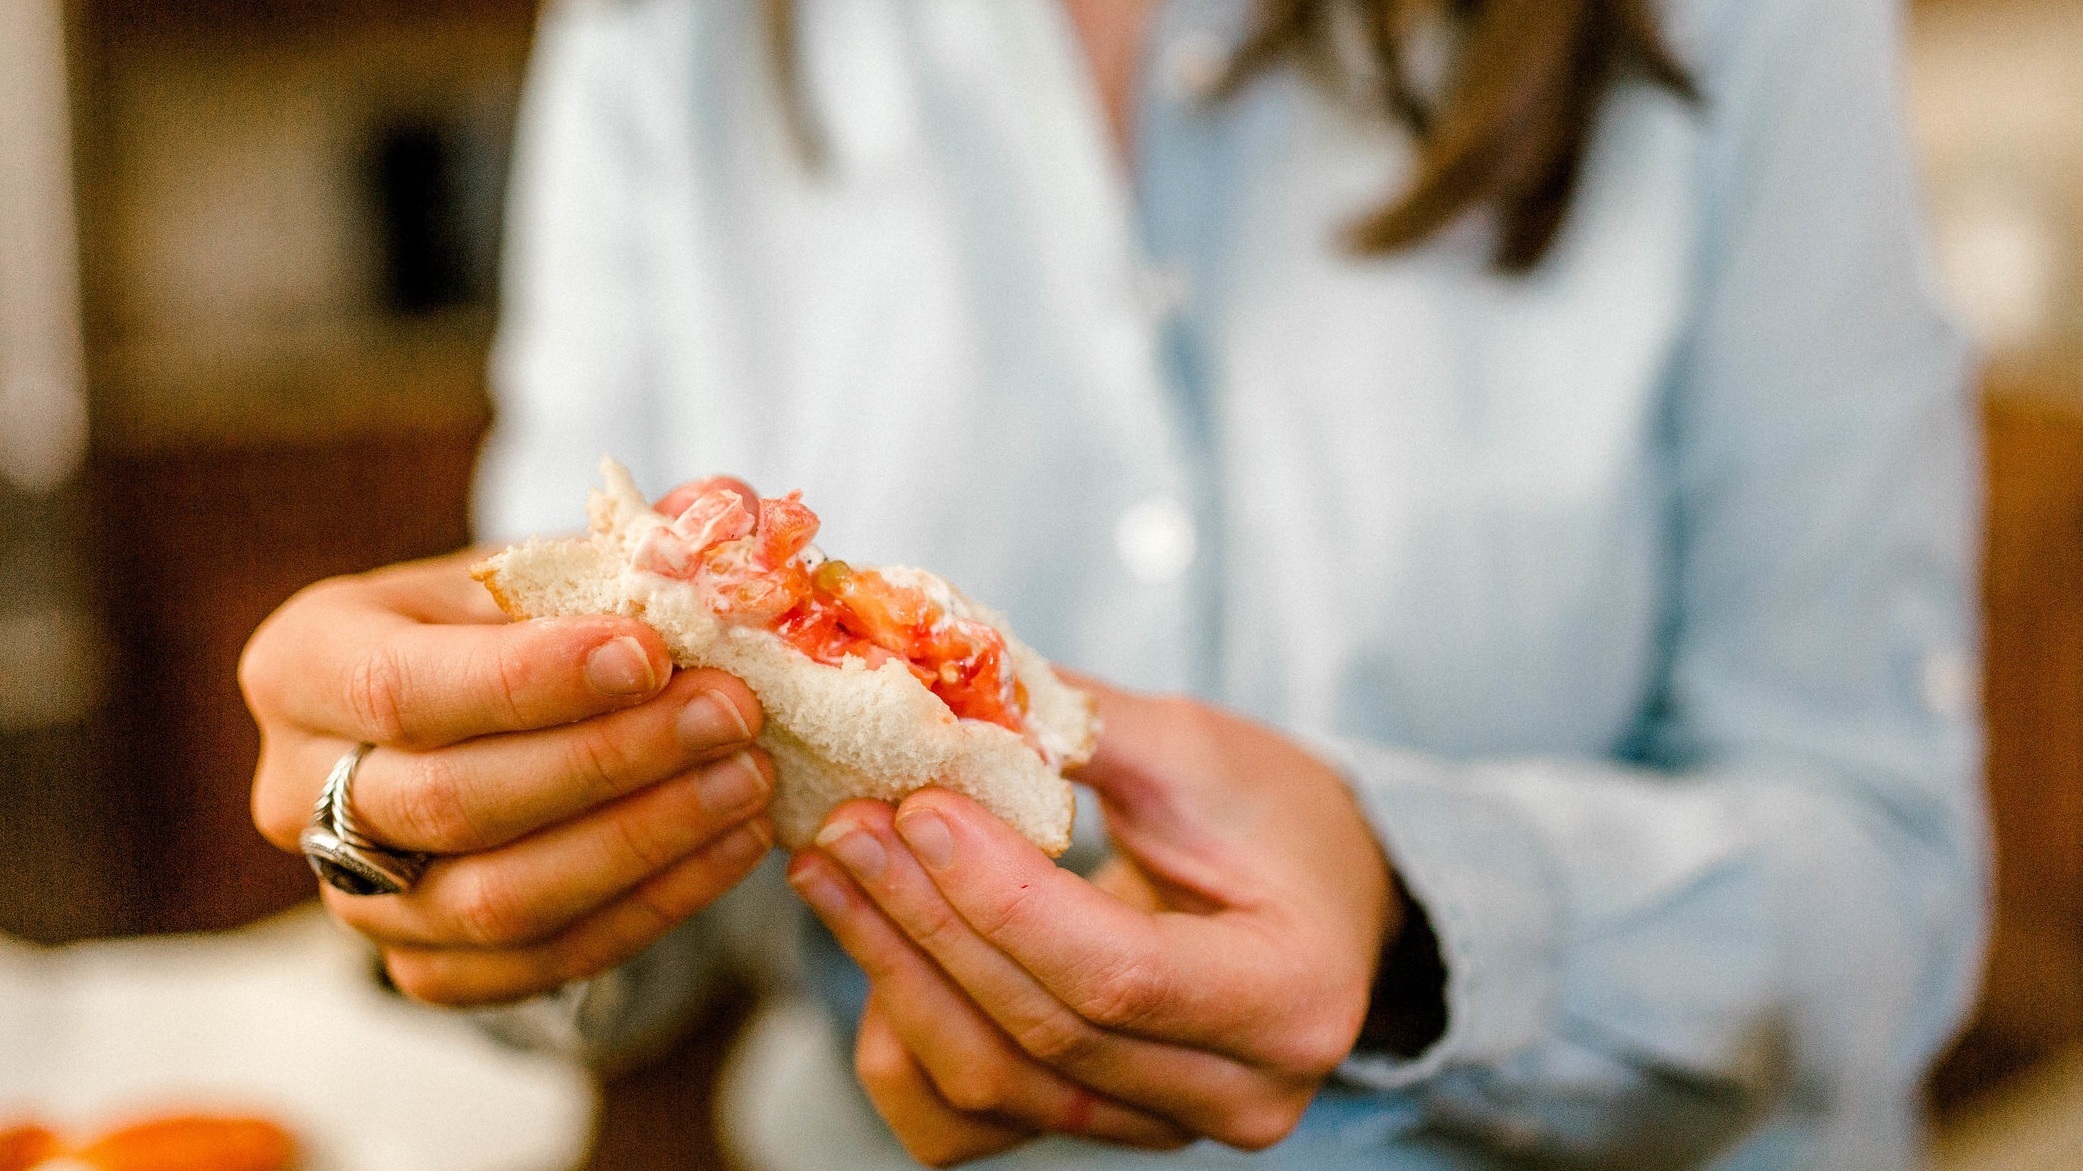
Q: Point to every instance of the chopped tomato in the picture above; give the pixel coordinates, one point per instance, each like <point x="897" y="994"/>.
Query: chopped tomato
<point x="23" y="1147"/>
<point x="785" y="528"/>
<point x="890" y="616"/>
<point x="675" y="502"/>
<point x="977" y="682"/>
<point x="762" y="599"/>
<point x="815" y="631"/>
<point x="752" y="573"/>
<point x="960" y="660"/>
<point x="716" y="517"/>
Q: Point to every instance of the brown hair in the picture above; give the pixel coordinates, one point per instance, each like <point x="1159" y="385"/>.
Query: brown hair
<point x="1507" y="132"/>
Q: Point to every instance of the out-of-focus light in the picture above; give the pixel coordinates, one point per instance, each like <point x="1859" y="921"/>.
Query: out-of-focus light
<point x="1156" y="539"/>
<point x="43" y="412"/>
<point x="49" y="671"/>
<point x="2003" y="264"/>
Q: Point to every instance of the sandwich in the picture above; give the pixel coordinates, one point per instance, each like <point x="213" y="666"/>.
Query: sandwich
<point x="875" y="682"/>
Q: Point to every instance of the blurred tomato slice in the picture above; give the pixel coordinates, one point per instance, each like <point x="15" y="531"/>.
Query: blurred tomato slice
<point x="24" y="1146"/>
<point x="193" y="1143"/>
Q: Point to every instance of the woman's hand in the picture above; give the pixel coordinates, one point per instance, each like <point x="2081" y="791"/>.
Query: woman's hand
<point x="1203" y="984"/>
<point x="583" y="797"/>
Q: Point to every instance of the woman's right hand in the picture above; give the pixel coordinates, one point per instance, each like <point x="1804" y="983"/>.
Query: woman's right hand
<point x="583" y="798"/>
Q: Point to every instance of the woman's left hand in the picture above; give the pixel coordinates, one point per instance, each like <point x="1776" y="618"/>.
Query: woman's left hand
<point x="1203" y="983"/>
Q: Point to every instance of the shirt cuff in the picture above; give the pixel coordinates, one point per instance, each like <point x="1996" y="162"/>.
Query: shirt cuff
<point x="1484" y="878"/>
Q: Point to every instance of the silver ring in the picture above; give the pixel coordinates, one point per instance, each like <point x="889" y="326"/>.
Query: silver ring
<point x="344" y="857"/>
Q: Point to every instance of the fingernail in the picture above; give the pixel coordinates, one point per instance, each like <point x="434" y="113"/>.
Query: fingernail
<point x="927" y="834"/>
<point x="823" y="895"/>
<point x="709" y="720"/>
<point x="856" y="849"/>
<point x="731" y="785"/>
<point x="621" y="668"/>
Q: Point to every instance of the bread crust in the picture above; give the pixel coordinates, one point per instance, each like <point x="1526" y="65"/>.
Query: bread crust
<point x="835" y="732"/>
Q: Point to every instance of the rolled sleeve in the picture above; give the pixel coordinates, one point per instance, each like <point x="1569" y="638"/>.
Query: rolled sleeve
<point x="1483" y="878"/>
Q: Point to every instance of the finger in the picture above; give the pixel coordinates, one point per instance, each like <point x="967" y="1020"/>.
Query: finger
<point x="973" y="1065"/>
<point x="1118" y="877"/>
<point x="1194" y="979"/>
<point x="486" y="792"/>
<point x="1144" y="738"/>
<point x="932" y="1131"/>
<point x="465" y="976"/>
<point x="1205" y="1092"/>
<point x="535" y="888"/>
<point x="345" y="660"/>
<point x="493" y="790"/>
<point x="437" y="589"/>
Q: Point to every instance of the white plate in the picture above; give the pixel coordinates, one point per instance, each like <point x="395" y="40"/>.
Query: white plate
<point x="282" y="1021"/>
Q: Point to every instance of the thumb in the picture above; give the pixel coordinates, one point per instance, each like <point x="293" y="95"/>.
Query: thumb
<point x="1118" y="771"/>
<point x="1171" y="807"/>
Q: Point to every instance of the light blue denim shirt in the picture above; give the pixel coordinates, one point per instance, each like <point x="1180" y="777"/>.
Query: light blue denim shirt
<point x="1633" y="597"/>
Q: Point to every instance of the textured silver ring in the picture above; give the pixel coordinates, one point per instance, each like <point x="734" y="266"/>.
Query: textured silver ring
<point x="344" y="857"/>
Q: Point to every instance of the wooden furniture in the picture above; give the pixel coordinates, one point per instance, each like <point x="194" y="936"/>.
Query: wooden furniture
<point x="197" y="546"/>
<point x="286" y="209"/>
<point x="2032" y="999"/>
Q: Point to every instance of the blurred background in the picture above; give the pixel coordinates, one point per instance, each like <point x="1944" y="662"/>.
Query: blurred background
<point x="248" y="250"/>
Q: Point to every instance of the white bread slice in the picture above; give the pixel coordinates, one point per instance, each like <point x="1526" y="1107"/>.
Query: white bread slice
<point x="835" y="732"/>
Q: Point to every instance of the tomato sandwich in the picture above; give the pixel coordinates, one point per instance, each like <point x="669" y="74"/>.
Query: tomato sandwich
<point x="875" y="682"/>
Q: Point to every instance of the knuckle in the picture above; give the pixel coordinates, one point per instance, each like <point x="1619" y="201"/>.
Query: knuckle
<point x="652" y="913"/>
<point x="422" y="978"/>
<point x="1007" y="916"/>
<point x="1318" y="1049"/>
<point x="596" y="762"/>
<point x="279" y="817"/>
<point x="1124" y="995"/>
<point x="938" y="929"/>
<point x="263" y="662"/>
<point x="376" y="686"/>
<point x="1056" y="1038"/>
<point x="879" y="1064"/>
<point x="1259" y="1125"/>
<point x="1319" y="1023"/>
<point x="510" y="675"/>
<point x="982" y="1090"/>
<point x="488" y="914"/>
<point x="432" y="809"/>
<point x="256" y="675"/>
<point x="637" y="841"/>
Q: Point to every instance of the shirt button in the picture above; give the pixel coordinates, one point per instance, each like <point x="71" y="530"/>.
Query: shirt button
<point x="1194" y="65"/>
<point x="1949" y="685"/>
<point x="1155" y="540"/>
